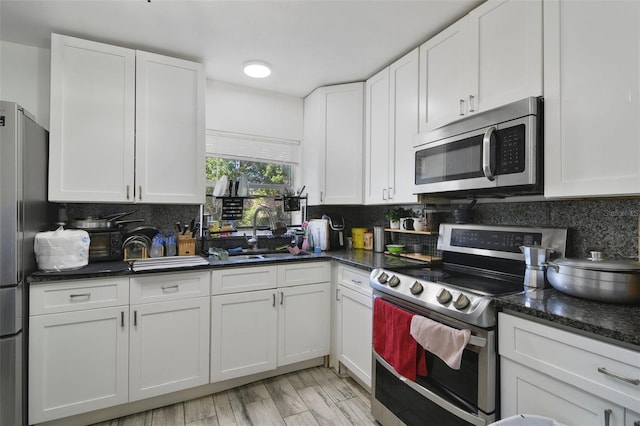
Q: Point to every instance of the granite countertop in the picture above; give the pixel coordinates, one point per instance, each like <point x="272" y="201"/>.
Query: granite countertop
<point x="364" y="259"/>
<point x="604" y="320"/>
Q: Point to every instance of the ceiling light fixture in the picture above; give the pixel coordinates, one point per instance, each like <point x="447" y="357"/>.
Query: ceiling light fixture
<point x="257" y="69"/>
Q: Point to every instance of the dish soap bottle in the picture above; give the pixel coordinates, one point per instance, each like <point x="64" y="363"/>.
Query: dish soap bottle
<point x="157" y="247"/>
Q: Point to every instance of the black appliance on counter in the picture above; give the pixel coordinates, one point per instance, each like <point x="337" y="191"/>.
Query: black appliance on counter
<point x="336" y="231"/>
<point x="480" y="262"/>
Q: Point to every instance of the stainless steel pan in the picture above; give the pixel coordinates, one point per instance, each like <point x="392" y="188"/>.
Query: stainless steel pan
<point x="612" y="281"/>
<point x="106" y="223"/>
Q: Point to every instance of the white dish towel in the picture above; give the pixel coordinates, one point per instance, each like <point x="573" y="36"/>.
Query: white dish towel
<point x="443" y="341"/>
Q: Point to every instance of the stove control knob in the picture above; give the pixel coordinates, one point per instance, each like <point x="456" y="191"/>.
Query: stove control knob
<point x="416" y="288"/>
<point x="394" y="281"/>
<point x="443" y="296"/>
<point x="382" y="278"/>
<point x="461" y="302"/>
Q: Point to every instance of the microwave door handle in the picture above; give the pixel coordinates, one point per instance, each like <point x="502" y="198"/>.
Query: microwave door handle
<point x="486" y="153"/>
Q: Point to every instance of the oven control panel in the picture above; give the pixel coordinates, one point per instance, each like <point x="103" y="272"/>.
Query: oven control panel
<point x="433" y="296"/>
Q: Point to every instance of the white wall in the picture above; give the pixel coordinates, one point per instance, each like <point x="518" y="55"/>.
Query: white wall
<point x="240" y="109"/>
<point x="25" y="78"/>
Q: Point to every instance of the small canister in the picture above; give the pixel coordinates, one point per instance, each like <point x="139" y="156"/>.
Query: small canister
<point x="378" y="239"/>
<point x="368" y="240"/>
<point x="358" y="237"/>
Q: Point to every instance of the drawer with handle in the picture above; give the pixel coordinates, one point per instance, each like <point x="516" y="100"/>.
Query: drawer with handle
<point x="356" y="279"/>
<point x="600" y="368"/>
<point x="75" y="295"/>
<point x="173" y="286"/>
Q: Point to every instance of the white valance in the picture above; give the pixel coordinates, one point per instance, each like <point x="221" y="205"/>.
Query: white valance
<point x="256" y="148"/>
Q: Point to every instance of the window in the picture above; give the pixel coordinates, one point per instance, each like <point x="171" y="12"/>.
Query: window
<point x="269" y="166"/>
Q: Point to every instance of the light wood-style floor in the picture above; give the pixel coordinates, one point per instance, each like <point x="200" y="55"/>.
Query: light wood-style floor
<point x="316" y="396"/>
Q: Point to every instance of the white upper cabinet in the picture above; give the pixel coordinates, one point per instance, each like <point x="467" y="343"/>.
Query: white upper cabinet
<point x="92" y="129"/>
<point x="592" y="98"/>
<point x="378" y="157"/>
<point x="126" y="125"/>
<point x="443" y="73"/>
<point x="170" y="130"/>
<point x="391" y="122"/>
<point x="333" y="144"/>
<point x="490" y="57"/>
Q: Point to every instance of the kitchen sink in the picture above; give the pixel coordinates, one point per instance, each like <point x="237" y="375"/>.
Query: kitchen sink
<point x="262" y="256"/>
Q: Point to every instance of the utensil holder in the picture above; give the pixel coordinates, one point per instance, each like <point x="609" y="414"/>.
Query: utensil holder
<point x="186" y="246"/>
<point x="291" y="204"/>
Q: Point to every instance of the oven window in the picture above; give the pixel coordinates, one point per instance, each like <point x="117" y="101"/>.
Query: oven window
<point x="408" y="405"/>
<point x="99" y="245"/>
<point x="460" y="387"/>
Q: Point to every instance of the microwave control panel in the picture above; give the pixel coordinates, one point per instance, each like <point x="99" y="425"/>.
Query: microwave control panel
<point x="510" y="150"/>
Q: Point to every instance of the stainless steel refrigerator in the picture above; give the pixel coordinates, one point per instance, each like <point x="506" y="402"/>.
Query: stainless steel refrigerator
<point x="24" y="211"/>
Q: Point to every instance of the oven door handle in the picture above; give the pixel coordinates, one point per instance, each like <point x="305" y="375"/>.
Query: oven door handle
<point x="477" y="341"/>
<point x="441" y="402"/>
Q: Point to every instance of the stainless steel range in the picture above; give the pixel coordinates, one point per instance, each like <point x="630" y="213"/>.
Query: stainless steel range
<point x="480" y="262"/>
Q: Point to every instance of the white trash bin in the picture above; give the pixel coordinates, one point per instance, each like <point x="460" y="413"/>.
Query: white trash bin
<point x="527" y="420"/>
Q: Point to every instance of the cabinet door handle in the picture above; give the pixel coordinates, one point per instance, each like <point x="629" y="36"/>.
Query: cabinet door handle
<point x="471" y="107"/>
<point x="356" y="282"/>
<point x="122" y="319"/>
<point x="606" y="372"/>
<point x="607" y="417"/>
<point x="274" y="299"/>
<point x="127" y="192"/>
<point x="281" y="298"/>
<point x="321" y="197"/>
<point x="140" y="192"/>
<point x="175" y="287"/>
<point x="461" y="106"/>
<point x="337" y="294"/>
<point x="390" y="193"/>
<point x="75" y="296"/>
<point x="135" y="318"/>
<point x="384" y="194"/>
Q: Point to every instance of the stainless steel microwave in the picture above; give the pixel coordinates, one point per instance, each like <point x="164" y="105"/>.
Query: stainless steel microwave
<point x="498" y="152"/>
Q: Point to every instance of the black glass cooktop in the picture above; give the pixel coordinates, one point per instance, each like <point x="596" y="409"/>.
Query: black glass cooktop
<point x="486" y="285"/>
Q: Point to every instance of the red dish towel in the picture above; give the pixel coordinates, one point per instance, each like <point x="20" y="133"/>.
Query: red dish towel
<point x="393" y="341"/>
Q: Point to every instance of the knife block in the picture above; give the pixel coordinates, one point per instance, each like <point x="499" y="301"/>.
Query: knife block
<point x="186" y="245"/>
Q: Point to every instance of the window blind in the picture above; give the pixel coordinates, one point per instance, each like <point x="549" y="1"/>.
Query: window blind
<point x="249" y="147"/>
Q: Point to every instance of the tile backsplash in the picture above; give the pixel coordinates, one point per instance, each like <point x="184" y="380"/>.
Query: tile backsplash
<point x="607" y="225"/>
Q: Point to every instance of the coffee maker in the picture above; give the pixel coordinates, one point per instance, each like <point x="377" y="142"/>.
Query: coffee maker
<point x="336" y="231"/>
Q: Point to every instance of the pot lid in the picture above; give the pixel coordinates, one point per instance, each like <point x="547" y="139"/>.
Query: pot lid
<point x="595" y="264"/>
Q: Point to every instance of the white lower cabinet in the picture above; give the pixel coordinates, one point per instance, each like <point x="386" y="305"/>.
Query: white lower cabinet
<point x="526" y="391"/>
<point x="169" y="347"/>
<point x="303" y="322"/>
<point x="243" y="334"/>
<point x="169" y="333"/>
<point x="352" y="330"/>
<point x="97" y="343"/>
<point x="78" y="347"/>
<point x="573" y="379"/>
<point x="265" y="328"/>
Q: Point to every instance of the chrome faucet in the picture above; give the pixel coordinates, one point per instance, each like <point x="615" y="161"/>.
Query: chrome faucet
<point x="253" y="241"/>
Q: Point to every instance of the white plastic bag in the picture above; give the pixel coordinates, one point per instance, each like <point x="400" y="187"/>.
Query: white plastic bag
<point x="61" y="250"/>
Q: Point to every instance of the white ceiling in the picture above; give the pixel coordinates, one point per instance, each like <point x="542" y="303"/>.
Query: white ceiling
<point x="309" y="43"/>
